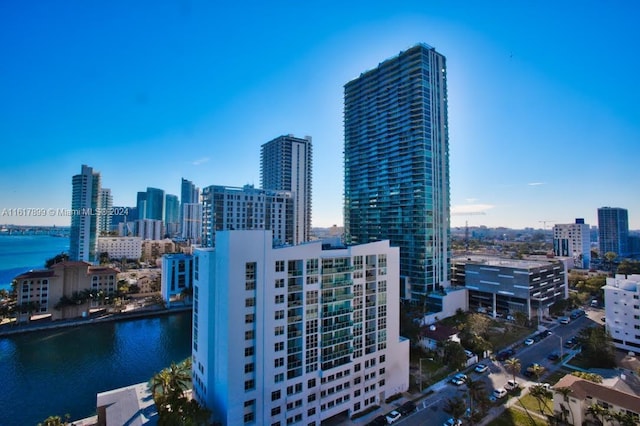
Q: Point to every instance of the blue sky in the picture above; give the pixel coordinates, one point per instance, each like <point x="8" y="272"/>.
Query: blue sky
<point x="543" y="113"/>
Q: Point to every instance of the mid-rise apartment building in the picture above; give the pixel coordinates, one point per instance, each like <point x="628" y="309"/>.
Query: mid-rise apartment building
<point x="308" y="332"/>
<point x="56" y="288"/>
<point x="121" y="247"/>
<point x="573" y="240"/>
<point x="177" y="275"/>
<point x="506" y="286"/>
<point x="247" y="208"/>
<point x="622" y="311"/>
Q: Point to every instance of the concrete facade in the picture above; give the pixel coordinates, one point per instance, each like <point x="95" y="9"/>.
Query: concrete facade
<point x="308" y="333"/>
<point x="121" y="247"/>
<point x="622" y="311"/>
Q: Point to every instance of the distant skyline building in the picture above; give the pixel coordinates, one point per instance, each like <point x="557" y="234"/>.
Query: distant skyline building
<point x="192" y="222"/>
<point x="613" y="231"/>
<point x="189" y="194"/>
<point x="308" y="332"/>
<point x="172" y="215"/>
<point x="154" y="208"/>
<point x="141" y="205"/>
<point x="396" y="162"/>
<point x="83" y="235"/>
<point x="573" y="240"/>
<point x="286" y="165"/>
<point x="149" y="229"/>
<point x="105" y="206"/>
<point x="247" y="208"/>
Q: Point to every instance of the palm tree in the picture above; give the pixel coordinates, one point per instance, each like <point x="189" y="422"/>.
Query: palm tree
<point x="598" y="412"/>
<point x="512" y="365"/>
<point x="455" y="407"/>
<point x="541" y="394"/>
<point x="537" y="371"/>
<point x="476" y="392"/>
<point x="565" y="391"/>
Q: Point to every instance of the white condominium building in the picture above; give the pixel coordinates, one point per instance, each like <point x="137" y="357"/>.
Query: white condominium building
<point x="622" y="307"/>
<point x="121" y="247"/>
<point x="573" y="240"/>
<point x="295" y="334"/>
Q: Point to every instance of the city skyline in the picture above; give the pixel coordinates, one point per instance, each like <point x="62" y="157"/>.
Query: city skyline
<point x="542" y="118"/>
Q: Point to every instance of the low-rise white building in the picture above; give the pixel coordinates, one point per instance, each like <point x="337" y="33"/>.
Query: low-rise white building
<point x="622" y="311"/>
<point x="574" y="407"/>
<point x="308" y="333"/>
<point x="121" y="247"/>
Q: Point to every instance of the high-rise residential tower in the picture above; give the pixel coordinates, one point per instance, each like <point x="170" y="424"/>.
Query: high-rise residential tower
<point x="285" y="165"/>
<point x="172" y="214"/>
<point x="189" y="194"/>
<point x="105" y="204"/>
<point x="83" y="236"/>
<point x="154" y="206"/>
<point x="396" y="161"/>
<point x="613" y="231"/>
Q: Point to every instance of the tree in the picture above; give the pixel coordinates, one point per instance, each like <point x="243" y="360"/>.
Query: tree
<point x="541" y="394"/>
<point x="537" y="370"/>
<point x="455" y="407"/>
<point x="453" y="354"/>
<point x="609" y="257"/>
<point x="476" y="389"/>
<point x="565" y="391"/>
<point x="628" y="267"/>
<point x="597" y="347"/>
<point x="598" y="412"/>
<point x="62" y="257"/>
<point x="168" y="389"/>
<point x="55" y="421"/>
<point x="104" y="257"/>
<point x="512" y="365"/>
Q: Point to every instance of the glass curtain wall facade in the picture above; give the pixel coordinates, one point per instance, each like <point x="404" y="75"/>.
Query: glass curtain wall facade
<point x="396" y="162"/>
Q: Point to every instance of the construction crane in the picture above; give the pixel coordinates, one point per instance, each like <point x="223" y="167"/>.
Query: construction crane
<point x="466" y="226"/>
<point x="544" y="223"/>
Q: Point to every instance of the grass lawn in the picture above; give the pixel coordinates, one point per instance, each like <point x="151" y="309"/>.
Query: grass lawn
<point x="581" y="362"/>
<point x="515" y="417"/>
<point x="531" y="404"/>
<point x="513" y="334"/>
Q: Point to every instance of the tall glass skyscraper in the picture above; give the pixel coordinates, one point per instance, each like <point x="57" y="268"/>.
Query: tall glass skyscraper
<point x="285" y="165"/>
<point x="83" y="235"/>
<point x="613" y="231"/>
<point x="396" y="162"/>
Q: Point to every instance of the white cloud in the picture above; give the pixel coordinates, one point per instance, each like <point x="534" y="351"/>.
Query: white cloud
<point x="200" y="161"/>
<point x="470" y="209"/>
<point x="536" y="183"/>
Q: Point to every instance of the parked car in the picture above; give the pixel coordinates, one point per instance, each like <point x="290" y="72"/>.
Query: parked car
<point x="564" y="320"/>
<point x="529" y="342"/>
<point x="407" y="407"/>
<point x="468" y="353"/>
<point x="453" y="422"/>
<point x="459" y="379"/>
<point x="511" y="385"/>
<point x="393" y="416"/>
<point x="499" y="393"/>
<point x="481" y="368"/>
<point x="570" y="343"/>
<point x="506" y="354"/>
<point x="553" y="356"/>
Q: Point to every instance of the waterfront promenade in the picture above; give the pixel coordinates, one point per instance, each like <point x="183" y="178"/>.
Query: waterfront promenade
<point x="11" y="328"/>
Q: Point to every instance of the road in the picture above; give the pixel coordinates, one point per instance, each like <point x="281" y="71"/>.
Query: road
<point x="430" y="410"/>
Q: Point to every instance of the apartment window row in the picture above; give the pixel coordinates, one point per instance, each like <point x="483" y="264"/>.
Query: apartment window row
<point x="329" y="405"/>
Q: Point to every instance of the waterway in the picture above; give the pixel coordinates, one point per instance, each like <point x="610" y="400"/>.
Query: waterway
<point x="61" y="371"/>
<point x="20" y="253"/>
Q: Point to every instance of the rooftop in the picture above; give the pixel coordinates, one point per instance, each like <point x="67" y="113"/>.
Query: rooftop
<point x="583" y="389"/>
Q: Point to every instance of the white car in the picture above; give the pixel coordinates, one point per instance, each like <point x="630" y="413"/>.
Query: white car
<point x="481" y="368"/>
<point x="529" y="341"/>
<point x="459" y="379"/>
<point x="511" y="385"/>
<point x="499" y="393"/>
<point x="393" y="417"/>
<point x="453" y="422"/>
